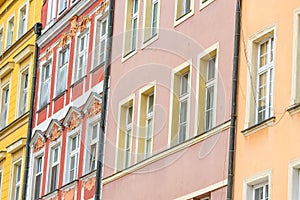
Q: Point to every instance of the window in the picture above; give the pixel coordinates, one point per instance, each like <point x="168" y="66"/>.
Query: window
<point x="22" y="21"/>
<point x="92" y="147"/>
<point x="149" y="126"/>
<point x="125" y="135"/>
<point x="207" y="89"/>
<point x="38" y="171"/>
<point x="4" y="106"/>
<point x="51" y="12"/>
<point x="62" y="71"/>
<point x="1" y="40"/>
<point x="54" y="168"/>
<point x="264" y="79"/>
<point x="101" y="40"/>
<point x="23" y="92"/>
<point x="151" y="19"/>
<point x="10" y="32"/>
<point x="131" y="26"/>
<point x="62" y="5"/>
<point x="82" y="55"/>
<point x="16" y="181"/>
<point x="261" y="192"/>
<point x="45" y="84"/>
<point x="73" y="156"/>
<point x="180" y="98"/>
<point x="183" y="7"/>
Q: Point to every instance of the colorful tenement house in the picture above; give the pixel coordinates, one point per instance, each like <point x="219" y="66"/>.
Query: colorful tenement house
<point x="68" y="100"/>
<point x="267" y="161"/>
<point x="17" y="47"/>
<point x="170" y="100"/>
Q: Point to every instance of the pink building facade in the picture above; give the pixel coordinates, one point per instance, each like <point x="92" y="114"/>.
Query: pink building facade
<point x="170" y="100"/>
<point x="68" y="100"/>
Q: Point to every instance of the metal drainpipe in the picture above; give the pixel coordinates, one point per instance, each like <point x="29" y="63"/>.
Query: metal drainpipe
<point x="234" y="100"/>
<point x="100" y="158"/>
<point x="37" y="31"/>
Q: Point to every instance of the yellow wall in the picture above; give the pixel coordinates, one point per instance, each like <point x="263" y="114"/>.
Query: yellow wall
<point x="274" y="146"/>
<point x="17" y="125"/>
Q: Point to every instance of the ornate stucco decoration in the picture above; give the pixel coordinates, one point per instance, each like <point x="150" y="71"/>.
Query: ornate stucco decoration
<point x="95" y="108"/>
<point x="56" y="132"/>
<point x="74" y="121"/>
<point x="47" y="55"/>
<point x="70" y="194"/>
<point x="40" y="143"/>
<point x="89" y="184"/>
<point x="103" y="5"/>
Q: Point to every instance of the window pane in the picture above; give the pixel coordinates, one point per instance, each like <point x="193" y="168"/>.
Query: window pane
<point x="211" y="69"/>
<point x="184" y="84"/>
<point x="150" y="103"/>
<point x="183" y="111"/>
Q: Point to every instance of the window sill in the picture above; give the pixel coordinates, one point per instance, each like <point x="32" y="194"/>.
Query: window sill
<point x="43" y="107"/>
<point x="50" y="195"/>
<point x="205" y="4"/>
<point x="78" y="81"/>
<point x="97" y="67"/>
<point x="294" y="109"/>
<point x="128" y="55"/>
<point x="149" y="41"/>
<point x="60" y="95"/>
<point x="184" y="17"/>
<point x="256" y="127"/>
<point x="69" y="185"/>
<point x="88" y="175"/>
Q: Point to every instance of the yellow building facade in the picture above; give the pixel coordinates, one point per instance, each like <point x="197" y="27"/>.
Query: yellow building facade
<point x="267" y="161"/>
<point x="17" y="44"/>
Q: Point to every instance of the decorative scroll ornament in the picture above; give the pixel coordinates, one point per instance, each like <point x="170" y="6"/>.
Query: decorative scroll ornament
<point x="47" y="55"/>
<point x="83" y="21"/>
<point x="94" y="109"/>
<point x="103" y="5"/>
<point x="70" y="194"/>
<point x="64" y="39"/>
<point x="56" y="132"/>
<point x="73" y="25"/>
<point x="89" y="184"/>
<point x="38" y="145"/>
<point x="74" y="121"/>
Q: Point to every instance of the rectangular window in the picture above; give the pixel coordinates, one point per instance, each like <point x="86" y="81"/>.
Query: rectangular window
<point x="17" y="181"/>
<point x="51" y="11"/>
<point x="261" y="192"/>
<point x="45" y="84"/>
<point x="101" y="40"/>
<point x="149" y="126"/>
<point x="125" y="135"/>
<point x="82" y="56"/>
<point x="38" y="170"/>
<point x="4" y="106"/>
<point x="23" y="92"/>
<point x="73" y="157"/>
<point x="10" y="32"/>
<point x="22" y="21"/>
<point x="151" y="19"/>
<point x="54" y="168"/>
<point x="1" y="40"/>
<point x="131" y="26"/>
<point x="92" y="150"/>
<point x="264" y="80"/>
<point x="207" y="81"/>
<point x="210" y="94"/>
<point x="62" y="5"/>
<point x="180" y="101"/>
<point x="62" y="71"/>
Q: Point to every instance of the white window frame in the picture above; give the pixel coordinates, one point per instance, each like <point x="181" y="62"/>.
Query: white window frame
<point x="149" y="136"/>
<point x="204" y="3"/>
<point x="83" y="53"/>
<point x="179" y="19"/>
<point x="51" y="10"/>
<point x="4" y="87"/>
<point x="60" y="68"/>
<point x="76" y="133"/>
<point x="267" y="69"/>
<point x="60" y="4"/>
<point x="14" y="183"/>
<point x="212" y="83"/>
<point x="23" y="92"/>
<point x="257" y="180"/>
<point x="99" y="39"/>
<point x="51" y="165"/>
<point x="22" y="28"/>
<point x="89" y="143"/>
<point x="43" y="83"/>
<point x="10" y="32"/>
<point x="265" y="187"/>
<point x="35" y="174"/>
<point x="134" y="20"/>
<point x="183" y="97"/>
<point x="128" y="138"/>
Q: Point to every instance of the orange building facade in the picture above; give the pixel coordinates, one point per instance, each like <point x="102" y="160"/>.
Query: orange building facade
<point x="267" y="159"/>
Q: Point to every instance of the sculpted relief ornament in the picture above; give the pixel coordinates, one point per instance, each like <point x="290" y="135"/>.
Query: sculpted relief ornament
<point x="56" y="132"/>
<point x="74" y="121"/>
<point x="40" y="143"/>
<point x="95" y="108"/>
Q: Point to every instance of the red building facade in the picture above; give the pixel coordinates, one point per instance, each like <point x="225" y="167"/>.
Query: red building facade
<point x="68" y="103"/>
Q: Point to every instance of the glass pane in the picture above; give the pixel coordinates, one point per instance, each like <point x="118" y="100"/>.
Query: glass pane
<point x="82" y="43"/>
<point x="209" y="98"/>
<point x="129" y="115"/>
<point x="93" y="157"/>
<point x="94" y="131"/>
<point x="183" y="111"/>
<point x="149" y="128"/>
<point x="103" y="28"/>
<point x="182" y="133"/>
<point x="37" y="187"/>
<point x="54" y="178"/>
<point x="150" y="103"/>
<point x="135" y="6"/>
<point x="211" y="69"/>
<point x="17" y="192"/>
<point x="263" y="54"/>
<point x="184" y="84"/>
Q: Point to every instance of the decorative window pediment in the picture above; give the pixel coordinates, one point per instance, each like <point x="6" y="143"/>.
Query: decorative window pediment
<point x="73" y="118"/>
<point x="93" y="105"/>
<point x="17" y="145"/>
<point x="54" y="130"/>
<point x="7" y="68"/>
<point x="38" y="140"/>
<point x="2" y="155"/>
